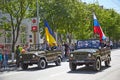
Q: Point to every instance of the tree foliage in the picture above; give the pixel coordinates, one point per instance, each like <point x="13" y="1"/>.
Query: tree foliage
<point x="16" y="10"/>
<point x="71" y="18"/>
<point x="75" y="18"/>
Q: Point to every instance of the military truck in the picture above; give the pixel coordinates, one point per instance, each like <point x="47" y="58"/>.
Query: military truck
<point x="90" y="53"/>
<point x="39" y="57"/>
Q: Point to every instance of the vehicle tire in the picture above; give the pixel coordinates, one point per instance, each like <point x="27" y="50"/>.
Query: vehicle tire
<point x="97" y="65"/>
<point x="87" y="65"/>
<point x="58" y="61"/>
<point x="42" y="64"/>
<point x="24" y="66"/>
<point x="107" y="62"/>
<point x="72" y="66"/>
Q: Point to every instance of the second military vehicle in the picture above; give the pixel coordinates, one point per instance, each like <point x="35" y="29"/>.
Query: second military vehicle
<point x="90" y="53"/>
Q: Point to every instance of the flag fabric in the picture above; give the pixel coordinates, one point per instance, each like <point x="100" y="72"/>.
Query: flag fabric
<point x="97" y="28"/>
<point x="49" y="35"/>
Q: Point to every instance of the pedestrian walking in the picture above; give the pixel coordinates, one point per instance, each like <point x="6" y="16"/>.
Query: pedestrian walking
<point x="17" y="52"/>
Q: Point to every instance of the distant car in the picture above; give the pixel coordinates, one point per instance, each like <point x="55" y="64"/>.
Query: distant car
<point x="89" y="52"/>
<point x="40" y="57"/>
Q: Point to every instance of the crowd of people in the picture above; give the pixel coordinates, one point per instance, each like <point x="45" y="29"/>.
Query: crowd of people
<point x="5" y="53"/>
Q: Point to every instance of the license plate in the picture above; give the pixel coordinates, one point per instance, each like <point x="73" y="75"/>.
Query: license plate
<point x="26" y="62"/>
<point x="81" y="61"/>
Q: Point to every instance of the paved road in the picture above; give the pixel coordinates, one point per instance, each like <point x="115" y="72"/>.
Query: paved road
<point x="63" y="72"/>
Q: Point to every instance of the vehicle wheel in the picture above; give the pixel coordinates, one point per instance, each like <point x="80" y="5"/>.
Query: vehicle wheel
<point x="42" y="64"/>
<point x="58" y="61"/>
<point x="107" y="62"/>
<point x="24" y="66"/>
<point x="87" y="65"/>
<point x="72" y="66"/>
<point x="97" y="65"/>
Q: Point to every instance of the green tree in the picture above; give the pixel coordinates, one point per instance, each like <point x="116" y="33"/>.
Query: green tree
<point x="17" y="11"/>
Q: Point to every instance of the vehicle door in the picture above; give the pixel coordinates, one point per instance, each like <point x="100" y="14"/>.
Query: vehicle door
<point x="51" y="55"/>
<point x="103" y="53"/>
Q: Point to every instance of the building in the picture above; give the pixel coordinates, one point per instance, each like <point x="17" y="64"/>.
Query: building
<point x="26" y="35"/>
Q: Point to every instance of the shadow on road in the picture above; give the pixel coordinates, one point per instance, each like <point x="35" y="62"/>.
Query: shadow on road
<point x="87" y="70"/>
<point x="36" y="68"/>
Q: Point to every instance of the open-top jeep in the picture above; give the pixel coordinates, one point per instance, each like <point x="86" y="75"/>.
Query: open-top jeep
<point x="39" y="57"/>
<point x="90" y="52"/>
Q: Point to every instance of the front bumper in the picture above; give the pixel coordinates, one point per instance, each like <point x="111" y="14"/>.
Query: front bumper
<point x="91" y="61"/>
<point x="28" y="61"/>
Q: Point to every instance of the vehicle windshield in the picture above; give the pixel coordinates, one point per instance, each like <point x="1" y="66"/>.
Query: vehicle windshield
<point x="35" y="47"/>
<point x="88" y="44"/>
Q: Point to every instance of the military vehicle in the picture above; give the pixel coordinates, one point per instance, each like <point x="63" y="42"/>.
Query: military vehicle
<point x="40" y="57"/>
<point x="90" y="53"/>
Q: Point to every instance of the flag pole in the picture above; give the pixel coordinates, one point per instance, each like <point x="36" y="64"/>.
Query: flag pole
<point x="93" y="24"/>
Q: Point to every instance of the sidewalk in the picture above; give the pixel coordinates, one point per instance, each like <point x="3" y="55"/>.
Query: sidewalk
<point x="11" y="66"/>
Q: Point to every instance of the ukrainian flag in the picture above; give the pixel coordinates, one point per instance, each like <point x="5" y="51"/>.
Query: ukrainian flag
<point x="49" y="35"/>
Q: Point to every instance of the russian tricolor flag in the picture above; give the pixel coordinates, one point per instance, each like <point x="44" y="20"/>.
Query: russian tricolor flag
<point x="97" y="28"/>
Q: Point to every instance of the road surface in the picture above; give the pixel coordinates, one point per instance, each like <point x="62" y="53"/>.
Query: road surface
<point x="63" y="72"/>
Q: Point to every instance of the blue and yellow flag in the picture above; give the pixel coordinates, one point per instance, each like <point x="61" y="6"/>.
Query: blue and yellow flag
<point x="49" y="35"/>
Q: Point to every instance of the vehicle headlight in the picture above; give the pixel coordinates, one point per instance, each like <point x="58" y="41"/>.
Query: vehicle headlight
<point x="20" y="56"/>
<point x="33" y="56"/>
<point x="71" y="55"/>
<point x="89" y="55"/>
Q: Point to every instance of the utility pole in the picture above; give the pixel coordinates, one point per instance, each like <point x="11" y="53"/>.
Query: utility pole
<point x="38" y="33"/>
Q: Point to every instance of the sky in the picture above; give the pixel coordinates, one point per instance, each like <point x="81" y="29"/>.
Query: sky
<point x="107" y="4"/>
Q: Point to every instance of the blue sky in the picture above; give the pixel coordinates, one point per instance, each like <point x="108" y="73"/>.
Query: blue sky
<point x="108" y="4"/>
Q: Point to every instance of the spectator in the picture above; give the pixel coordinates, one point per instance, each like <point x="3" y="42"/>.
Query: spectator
<point x="20" y="48"/>
<point x="23" y="51"/>
<point x="17" y="55"/>
<point x="111" y="44"/>
<point x="66" y="50"/>
<point x="5" y="59"/>
<point x="1" y="58"/>
<point x="63" y="51"/>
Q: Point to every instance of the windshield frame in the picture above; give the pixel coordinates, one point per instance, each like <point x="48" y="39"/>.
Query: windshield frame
<point x="88" y="44"/>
